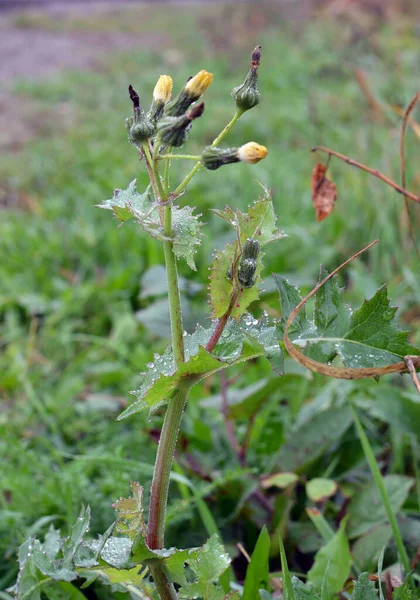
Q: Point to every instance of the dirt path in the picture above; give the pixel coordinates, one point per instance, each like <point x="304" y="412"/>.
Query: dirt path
<point x="37" y="45"/>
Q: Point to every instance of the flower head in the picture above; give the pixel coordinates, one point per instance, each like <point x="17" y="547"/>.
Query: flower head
<point x="197" y="85"/>
<point x="191" y="92"/>
<point x="163" y="89"/>
<point x="252" y="152"/>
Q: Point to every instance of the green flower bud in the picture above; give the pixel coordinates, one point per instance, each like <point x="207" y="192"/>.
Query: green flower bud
<point x="173" y="131"/>
<point x="213" y="157"/>
<point x="246" y="272"/>
<point x="251" y="249"/>
<point x="247" y="95"/>
<point x="139" y="127"/>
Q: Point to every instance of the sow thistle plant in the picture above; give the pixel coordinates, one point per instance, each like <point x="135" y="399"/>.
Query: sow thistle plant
<point x="131" y="556"/>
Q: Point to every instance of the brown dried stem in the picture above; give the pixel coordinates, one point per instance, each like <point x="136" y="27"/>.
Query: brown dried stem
<point x="407" y="114"/>
<point x="329" y="370"/>
<point x="373" y="172"/>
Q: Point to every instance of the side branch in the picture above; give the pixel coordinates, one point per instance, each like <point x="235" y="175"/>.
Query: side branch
<point x="373" y="172"/>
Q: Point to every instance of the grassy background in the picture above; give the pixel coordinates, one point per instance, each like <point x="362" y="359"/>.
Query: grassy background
<point x="72" y="283"/>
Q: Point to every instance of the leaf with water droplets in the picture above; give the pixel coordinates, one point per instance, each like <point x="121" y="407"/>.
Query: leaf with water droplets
<point x="129" y="203"/>
<point x="207" y="566"/>
<point x="239" y="342"/>
<point x="367" y="337"/>
<point x="187" y="234"/>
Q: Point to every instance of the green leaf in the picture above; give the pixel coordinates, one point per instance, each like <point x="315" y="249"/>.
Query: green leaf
<point x="364" y="589"/>
<point x="319" y="489"/>
<point x="307" y="441"/>
<point x="129" y="203"/>
<point x="280" y="480"/>
<point x="130" y="520"/>
<point x="368" y="337"/>
<point x="63" y="591"/>
<point x="303" y="591"/>
<point x="258" y="223"/>
<point x="367" y="548"/>
<point x="187" y="233"/>
<point x="207" y="566"/>
<point x="392" y="405"/>
<point x="288" y="592"/>
<point x="257" y="576"/>
<point x="366" y="509"/>
<point x="239" y="342"/>
<point x="336" y="554"/>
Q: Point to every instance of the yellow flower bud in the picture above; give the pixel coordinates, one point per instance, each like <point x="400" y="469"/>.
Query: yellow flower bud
<point x="251" y="152"/>
<point x="163" y="89"/>
<point x="198" y="84"/>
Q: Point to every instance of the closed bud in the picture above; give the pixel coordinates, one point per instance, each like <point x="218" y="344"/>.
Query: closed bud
<point x="251" y="249"/>
<point x="173" y="131"/>
<point x="139" y="127"/>
<point x="247" y="95"/>
<point x="213" y="158"/>
<point x="193" y="89"/>
<point x="163" y="89"/>
<point x="161" y="95"/>
<point x="252" y="152"/>
<point x="246" y="272"/>
<point x="197" y="85"/>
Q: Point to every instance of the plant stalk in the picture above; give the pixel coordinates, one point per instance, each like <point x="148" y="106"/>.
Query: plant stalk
<point x="216" y="141"/>
<point x="377" y="476"/>
<point x="162" y="470"/>
<point x="163" y="585"/>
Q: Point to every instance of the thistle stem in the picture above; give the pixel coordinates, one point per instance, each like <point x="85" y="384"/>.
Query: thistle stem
<point x="239" y="112"/>
<point x="163" y="585"/>
<point x="166" y="170"/>
<point x="173" y="416"/>
<point x="184" y="156"/>
<point x="162" y="471"/>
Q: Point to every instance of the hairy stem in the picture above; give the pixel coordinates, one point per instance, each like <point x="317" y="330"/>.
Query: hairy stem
<point x="163" y="585"/>
<point x="173" y="416"/>
<point x="216" y="141"/>
<point x="221" y="324"/>
<point x="373" y="172"/>
<point x="162" y="471"/>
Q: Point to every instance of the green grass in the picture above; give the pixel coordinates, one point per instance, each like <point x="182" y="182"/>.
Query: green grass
<point x="71" y="281"/>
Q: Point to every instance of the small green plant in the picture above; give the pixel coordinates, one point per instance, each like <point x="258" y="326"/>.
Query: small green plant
<point x="131" y="556"/>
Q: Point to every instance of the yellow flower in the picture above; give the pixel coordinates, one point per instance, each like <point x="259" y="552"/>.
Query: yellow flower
<point x="252" y="152"/>
<point x="163" y="89"/>
<point x="198" y="84"/>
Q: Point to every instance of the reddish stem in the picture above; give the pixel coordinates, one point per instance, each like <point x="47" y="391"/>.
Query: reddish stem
<point x="373" y="172"/>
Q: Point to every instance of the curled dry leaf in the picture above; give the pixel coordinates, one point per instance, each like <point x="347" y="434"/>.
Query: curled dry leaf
<point x="324" y="192"/>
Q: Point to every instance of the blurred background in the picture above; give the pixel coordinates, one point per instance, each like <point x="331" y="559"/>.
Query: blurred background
<point x="82" y="303"/>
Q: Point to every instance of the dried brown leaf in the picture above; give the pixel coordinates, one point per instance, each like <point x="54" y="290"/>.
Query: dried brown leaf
<point x="324" y="192"/>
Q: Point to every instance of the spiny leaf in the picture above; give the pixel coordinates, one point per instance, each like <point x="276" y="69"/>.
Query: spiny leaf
<point x="187" y="234"/>
<point x="239" y="342"/>
<point x="131" y="513"/>
<point x="364" y="589"/>
<point x="258" y="223"/>
<point x="129" y="203"/>
<point x="207" y="566"/>
<point x="368" y="337"/>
